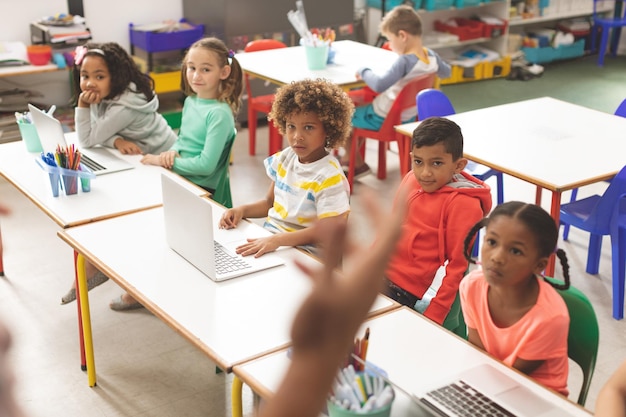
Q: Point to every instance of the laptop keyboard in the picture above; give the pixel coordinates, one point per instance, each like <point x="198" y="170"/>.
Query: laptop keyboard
<point x="225" y="262"/>
<point x="460" y="399"/>
<point x="90" y="163"/>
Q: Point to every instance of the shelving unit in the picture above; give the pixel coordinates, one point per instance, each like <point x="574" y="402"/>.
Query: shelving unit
<point x="556" y="10"/>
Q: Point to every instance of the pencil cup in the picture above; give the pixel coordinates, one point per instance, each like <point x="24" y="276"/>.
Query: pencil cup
<point x="85" y="182"/>
<point x="70" y="184"/>
<point x="55" y="179"/>
<point x="30" y="137"/>
<point x="364" y="395"/>
<point x="316" y="56"/>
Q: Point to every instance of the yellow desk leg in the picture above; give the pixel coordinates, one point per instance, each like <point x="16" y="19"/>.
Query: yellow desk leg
<point x="84" y="307"/>
<point x="235" y="397"/>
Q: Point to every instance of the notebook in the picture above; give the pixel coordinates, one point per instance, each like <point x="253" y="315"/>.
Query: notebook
<point x="51" y="135"/>
<point x="192" y="232"/>
<point x="474" y="390"/>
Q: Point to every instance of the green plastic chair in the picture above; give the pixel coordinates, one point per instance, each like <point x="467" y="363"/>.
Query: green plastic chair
<point x="584" y="334"/>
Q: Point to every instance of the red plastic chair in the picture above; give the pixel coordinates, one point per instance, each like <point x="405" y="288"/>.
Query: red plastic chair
<point x="387" y="133"/>
<point x="261" y="104"/>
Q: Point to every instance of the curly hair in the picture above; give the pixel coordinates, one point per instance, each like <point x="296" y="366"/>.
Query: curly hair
<point x="327" y="100"/>
<point x="232" y="87"/>
<point x="122" y="68"/>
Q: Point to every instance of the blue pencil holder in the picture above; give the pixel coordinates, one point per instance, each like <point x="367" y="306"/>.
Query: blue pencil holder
<point x="68" y="179"/>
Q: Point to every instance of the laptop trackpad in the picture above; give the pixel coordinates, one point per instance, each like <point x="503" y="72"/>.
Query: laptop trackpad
<point x="521" y="398"/>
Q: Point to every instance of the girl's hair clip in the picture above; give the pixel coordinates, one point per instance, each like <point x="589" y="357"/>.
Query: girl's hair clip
<point x="231" y="53"/>
<point x="81" y="51"/>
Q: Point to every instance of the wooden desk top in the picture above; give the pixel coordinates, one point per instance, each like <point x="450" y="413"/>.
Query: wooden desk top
<point x="415" y="353"/>
<point x="231" y="321"/>
<point x="26" y="70"/>
<point x="284" y="65"/>
<point x="111" y="194"/>
<point x="548" y="142"/>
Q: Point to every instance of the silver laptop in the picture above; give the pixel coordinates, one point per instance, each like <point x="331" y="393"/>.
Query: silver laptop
<point x="51" y="135"/>
<point x="192" y="232"/>
<point x="482" y="391"/>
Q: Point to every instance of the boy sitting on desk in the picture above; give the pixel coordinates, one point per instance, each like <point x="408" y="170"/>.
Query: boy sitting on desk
<point x="443" y="204"/>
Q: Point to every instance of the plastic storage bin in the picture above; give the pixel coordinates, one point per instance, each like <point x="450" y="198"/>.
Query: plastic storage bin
<point x="465" y="29"/>
<point x="466" y="3"/>
<point x="165" y="41"/>
<point x="437" y="4"/>
<point x="67" y="179"/>
<point x="389" y="4"/>
<point x="166" y="82"/>
<point x="549" y="54"/>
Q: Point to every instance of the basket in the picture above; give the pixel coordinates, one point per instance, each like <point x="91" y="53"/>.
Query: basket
<point x="165" y="41"/>
<point x="67" y="179"/>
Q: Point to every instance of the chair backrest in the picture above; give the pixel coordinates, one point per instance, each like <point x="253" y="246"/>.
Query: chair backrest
<point x="600" y="216"/>
<point x="263" y="44"/>
<point x="432" y="102"/>
<point x="600" y="8"/>
<point x="584" y="334"/>
<point x="406" y="100"/>
<point x="621" y="109"/>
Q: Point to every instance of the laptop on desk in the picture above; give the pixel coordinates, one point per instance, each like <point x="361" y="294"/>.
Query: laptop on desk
<point x="483" y="391"/>
<point x="191" y="231"/>
<point x="51" y="135"/>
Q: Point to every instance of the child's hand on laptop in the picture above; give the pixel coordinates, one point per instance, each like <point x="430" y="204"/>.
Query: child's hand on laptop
<point x="126" y="147"/>
<point x="231" y="218"/>
<point x="258" y="247"/>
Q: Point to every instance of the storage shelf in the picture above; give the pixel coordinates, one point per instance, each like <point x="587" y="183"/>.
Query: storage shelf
<point x="523" y="22"/>
<point x="459" y="43"/>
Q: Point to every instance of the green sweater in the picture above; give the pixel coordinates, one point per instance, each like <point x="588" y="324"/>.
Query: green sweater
<point x="204" y="141"/>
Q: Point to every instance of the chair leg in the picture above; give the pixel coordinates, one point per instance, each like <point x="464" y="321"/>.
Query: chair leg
<point x="566" y="226"/>
<point x="618" y="249"/>
<point x="276" y="139"/>
<point x="382" y="160"/>
<point x="604" y="40"/>
<point x="617" y="33"/>
<point x="500" y="185"/>
<point x="252" y="132"/>
<point x="593" y="257"/>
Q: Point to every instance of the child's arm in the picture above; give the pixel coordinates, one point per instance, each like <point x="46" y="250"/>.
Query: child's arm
<point x="306" y="236"/>
<point x="399" y="69"/>
<point x="232" y="217"/>
<point x="611" y="401"/>
<point x="104" y="129"/>
<point x="324" y="327"/>
<point x="526" y="366"/>
<point x="126" y="147"/>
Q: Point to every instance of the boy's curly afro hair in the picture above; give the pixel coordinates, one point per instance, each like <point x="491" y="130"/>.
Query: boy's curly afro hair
<point x="324" y="98"/>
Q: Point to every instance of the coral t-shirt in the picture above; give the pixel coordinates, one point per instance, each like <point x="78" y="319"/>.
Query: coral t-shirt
<point x="541" y="334"/>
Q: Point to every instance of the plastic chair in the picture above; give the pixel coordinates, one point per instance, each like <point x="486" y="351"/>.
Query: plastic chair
<point x="584" y="334"/>
<point x="620" y="111"/>
<point x="432" y="102"/>
<point x="605" y="23"/>
<point x="261" y="104"/>
<point x="594" y="215"/>
<point x="387" y="133"/>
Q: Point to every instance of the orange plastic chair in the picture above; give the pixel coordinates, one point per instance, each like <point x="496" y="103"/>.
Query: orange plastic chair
<point x="387" y="133"/>
<point x="261" y="104"/>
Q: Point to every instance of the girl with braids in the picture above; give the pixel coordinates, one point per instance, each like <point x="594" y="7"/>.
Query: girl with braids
<point x="116" y="104"/>
<point x="510" y="310"/>
<point x="212" y="80"/>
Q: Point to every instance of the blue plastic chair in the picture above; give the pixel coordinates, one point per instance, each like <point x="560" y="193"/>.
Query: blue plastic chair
<point x="600" y="216"/>
<point x="432" y="102"/>
<point x="620" y="111"/>
<point x="603" y="22"/>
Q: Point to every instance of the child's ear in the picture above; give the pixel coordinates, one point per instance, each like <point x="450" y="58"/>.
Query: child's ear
<point x="461" y="163"/>
<point x="541" y="265"/>
<point x="225" y="72"/>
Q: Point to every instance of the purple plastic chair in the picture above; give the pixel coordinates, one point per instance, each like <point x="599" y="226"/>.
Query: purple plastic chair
<point x="604" y="22"/>
<point x="600" y="216"/>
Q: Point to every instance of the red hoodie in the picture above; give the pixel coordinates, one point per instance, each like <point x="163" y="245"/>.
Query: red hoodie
<point x="433" y="233"/>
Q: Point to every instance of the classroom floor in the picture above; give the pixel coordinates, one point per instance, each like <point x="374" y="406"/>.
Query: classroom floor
<point x="145" y="368"/>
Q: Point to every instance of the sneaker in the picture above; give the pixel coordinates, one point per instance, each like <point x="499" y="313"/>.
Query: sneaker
<point x="93" y="282"/>
<point x="359" y="172"/>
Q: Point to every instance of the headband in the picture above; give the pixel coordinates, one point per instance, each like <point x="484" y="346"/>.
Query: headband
<point x="80" y="52"/>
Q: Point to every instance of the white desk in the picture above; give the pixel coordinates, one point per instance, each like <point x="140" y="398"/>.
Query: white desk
<point x="111" y="194"/>
<point x="231" y="321"/>
<point x="27" y="69"/>
<point x="285" y="65"/>
<point x="414" y="352"/>
<point x="547" y="142"/>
